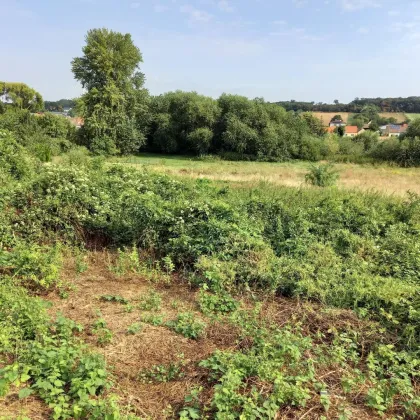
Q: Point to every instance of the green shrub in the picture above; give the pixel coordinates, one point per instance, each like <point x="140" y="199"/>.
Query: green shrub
<point x="14" y="159"/>
<point x="150" y="302"/>
<point x="163" y="373"/>
<point x="187" y="325"/>
<point x="221" y="303"/>
<point x="322" y="176"/>
<point x="36" y="267"/>
<point x="77" y="156"/>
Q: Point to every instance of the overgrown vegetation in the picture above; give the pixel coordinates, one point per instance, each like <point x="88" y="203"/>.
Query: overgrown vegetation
<point x="237" y="252"/>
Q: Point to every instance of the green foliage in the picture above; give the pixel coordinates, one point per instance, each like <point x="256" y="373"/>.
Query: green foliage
<point x="48" y="361"/>
<point x="21" y="318"/>
<point x="14" y="159"/>
<point x="134" y="328"/>
<point x="192" y="410"/>
<point x="150" y="302"/>
<point x="188" y="325"/>
<point x="126" y="261"/>
<point x="163" y="373"/>
<point x="78" y="156"/>
<point x="369" y="139"/>
<point x="152" y="319"/>
<point x="114" y="99"/>
<point x="276" y="358"/>
<point x="36" y="267"/>
<point x="322" y="175"/>
<point x="104" y="335"/>
<point x="218" y="304"/>
<point x="114" y="298"/>
<point x="22" y="96"/>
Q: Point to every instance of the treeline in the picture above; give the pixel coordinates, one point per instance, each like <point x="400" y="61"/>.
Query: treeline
<point x="233" y="126"/>
<point x="59" y="106"/>
<point x="409" y="105"/>
<point x="121" y="117"/>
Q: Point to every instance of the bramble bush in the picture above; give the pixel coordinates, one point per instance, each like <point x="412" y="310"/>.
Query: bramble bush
<point x="307" y="243"/>
<point x="342" y="249"/>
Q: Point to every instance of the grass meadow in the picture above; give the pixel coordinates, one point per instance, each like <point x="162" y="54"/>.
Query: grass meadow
<point x="382" y="178"/>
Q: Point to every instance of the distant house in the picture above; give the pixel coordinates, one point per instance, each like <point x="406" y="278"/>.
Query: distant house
<point x="337" y="123"/>
<point x="394" y="130"/>
<point x="351" y="131"/>
<point x="77" y="121"/>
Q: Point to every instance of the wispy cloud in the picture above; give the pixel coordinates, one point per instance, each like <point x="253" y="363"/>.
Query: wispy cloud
<point x="225" y="6"/>
<point x="352" y="5"/>
<point x="300" y="3"/>
<point x="160" y="8"/>
<point x="403" y="26"/>
<point x="363" y="30"/>
<point x="196" y="15"/>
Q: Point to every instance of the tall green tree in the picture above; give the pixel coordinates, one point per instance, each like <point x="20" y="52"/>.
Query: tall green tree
<point x="115" y="105"/>
<point x="21" y="96"/>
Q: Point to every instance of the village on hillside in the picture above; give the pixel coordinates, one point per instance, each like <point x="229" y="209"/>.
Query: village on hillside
<point x="387" y="130"/>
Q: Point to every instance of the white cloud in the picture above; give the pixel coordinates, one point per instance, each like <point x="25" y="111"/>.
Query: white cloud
<point x="225" y="6"/>
<point x="196" y="15"/>
<point x="312" y="38"/>
<point x="160" y="8"/>
<point x="300" y="3"/>
<point x="352" y="5"/>
<point x="363" y="31"/>
<point x="403" y="26"/>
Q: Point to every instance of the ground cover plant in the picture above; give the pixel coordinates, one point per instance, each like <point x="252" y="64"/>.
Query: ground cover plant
<point x="230" y="255"/>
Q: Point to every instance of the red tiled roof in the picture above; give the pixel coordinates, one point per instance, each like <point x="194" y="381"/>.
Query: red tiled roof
<point x="352" y="129"/>
<point x="78" y="121"/>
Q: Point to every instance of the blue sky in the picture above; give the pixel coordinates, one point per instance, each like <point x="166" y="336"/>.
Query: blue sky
<point x="317" y="50"/>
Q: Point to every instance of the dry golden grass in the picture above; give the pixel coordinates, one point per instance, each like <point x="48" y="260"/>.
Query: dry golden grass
<point x="153" y="345"/>
<point x="128" y="354"/>
<point x="399" y="116"/>
<point x="381" y="178"/>
<point x="326" y="117"/>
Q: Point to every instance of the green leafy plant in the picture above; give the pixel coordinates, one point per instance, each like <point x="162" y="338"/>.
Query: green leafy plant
<point x="322" y="175"/>
<point x="218" y="304"/>
<point x="155" y="320"/>
<point x="163" y="373"/>
<point x="135" y="328"/>
<point x="188" y="325"/>
<point x="114" y="298"/>
<point x="104" y="335"/>
<point x="192" y="409"/>
<point x="151" y="301"/>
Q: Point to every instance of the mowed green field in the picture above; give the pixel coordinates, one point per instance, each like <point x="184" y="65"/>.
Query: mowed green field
<point x="412" y="117"/>
<point x="383" y="178"/>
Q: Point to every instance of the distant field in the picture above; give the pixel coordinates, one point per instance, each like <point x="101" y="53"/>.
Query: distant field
<point x="382" y="178"/>
<point x="412" y="116"/>
<point x="326" y="117"/>
<point x="399" y="116"/>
